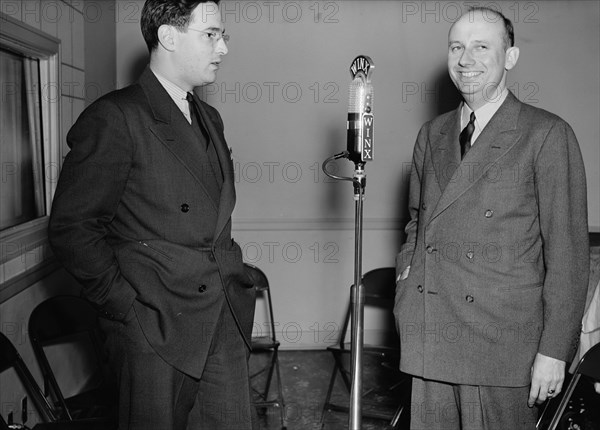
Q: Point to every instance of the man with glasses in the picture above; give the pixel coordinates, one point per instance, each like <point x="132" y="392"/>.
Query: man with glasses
<point x="142" y="219"/>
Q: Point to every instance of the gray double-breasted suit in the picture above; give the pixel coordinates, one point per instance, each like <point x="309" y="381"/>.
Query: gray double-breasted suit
<point x="498" y="249"/>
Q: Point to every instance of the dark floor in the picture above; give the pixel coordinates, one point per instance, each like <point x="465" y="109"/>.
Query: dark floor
<point x="306" y="375"/>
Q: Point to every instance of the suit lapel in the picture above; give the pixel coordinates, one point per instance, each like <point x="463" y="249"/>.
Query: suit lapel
<point x="497" y="138"/>
<point x="227" y="201"/>
<point x="445" y="152"/>
<point x="173" y="131"/>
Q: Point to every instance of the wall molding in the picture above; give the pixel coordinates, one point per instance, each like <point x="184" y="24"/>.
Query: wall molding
<point x="315" y="224"/>
<point x="15" y="285"/>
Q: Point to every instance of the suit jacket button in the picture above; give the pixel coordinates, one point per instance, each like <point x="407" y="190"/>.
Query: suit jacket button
<point x="423" y="206"/>
<point x="420" y="288"/>
<point x="429" y="249"/>
<point x="469" y="299"/>
<point x="470" y="255"/>
<point x="489" y="213"/>
<point x="202" y="288"/>
<point x="185" y="208"/>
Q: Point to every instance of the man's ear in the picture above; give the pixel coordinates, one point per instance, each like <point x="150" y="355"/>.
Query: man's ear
<point x="511" y="57"/>
<point x="167" y="37"/>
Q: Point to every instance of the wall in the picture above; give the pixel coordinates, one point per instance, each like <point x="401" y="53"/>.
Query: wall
<point x="100" y="48"/>
<point x="87" y="54"/>
<point x="282" y="91"/>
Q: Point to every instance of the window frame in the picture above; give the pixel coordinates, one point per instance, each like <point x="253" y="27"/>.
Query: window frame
<point x="25" y="256"/>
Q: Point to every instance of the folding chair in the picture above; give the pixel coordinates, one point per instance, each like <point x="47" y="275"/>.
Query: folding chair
<point x="267" y="343"/>
<point x="379" y="290"/>
<point x="589" y="366"/>
<point x="71" y="324"/>
<point x="10" y="358"/>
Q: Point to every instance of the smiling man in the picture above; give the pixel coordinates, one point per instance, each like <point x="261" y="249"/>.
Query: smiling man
<point x="493" y="275"/>
<point x="142" y="219"/>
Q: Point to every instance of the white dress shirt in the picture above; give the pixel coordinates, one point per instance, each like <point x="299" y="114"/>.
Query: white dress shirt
<point x="483" y="115"/>
<point x="178" y="95"/>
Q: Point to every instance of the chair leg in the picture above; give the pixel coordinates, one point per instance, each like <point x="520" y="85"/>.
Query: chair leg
<point x="343" y="372"/>
<point x="40" y="401"/>
<point x="264" y="392"/>
<point x="282" y="411"/>
<point x="329" y="391"/>
<point x="270" y="375"/>
<point x="338" y="368"/>
<point x="396" y="417"/>
<point x="563" y="403"/>
<point x="272" y="367"/>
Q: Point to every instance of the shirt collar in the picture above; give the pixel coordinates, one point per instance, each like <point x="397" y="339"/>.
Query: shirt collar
<point x="178" y="95"/>
<point x="484" y="114"/>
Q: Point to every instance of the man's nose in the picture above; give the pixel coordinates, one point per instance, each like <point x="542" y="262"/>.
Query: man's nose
<point x="222" y="47"/>
<point x="466" y="58"/>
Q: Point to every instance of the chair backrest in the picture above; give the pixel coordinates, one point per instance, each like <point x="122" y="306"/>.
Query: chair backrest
<point x="379" y="288"/>
<point x="589" y="365"/>
<point x="62" y="316"/>
<point x="261" y="285"/>
<point x="10" y="358"/>
<point x="64" y="319"/>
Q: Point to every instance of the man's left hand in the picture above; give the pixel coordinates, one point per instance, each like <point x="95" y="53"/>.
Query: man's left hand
<point x="547" y="376"/>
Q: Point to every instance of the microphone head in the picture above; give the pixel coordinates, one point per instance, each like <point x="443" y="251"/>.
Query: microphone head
<point x="360" y="96"/>
<point x="361" y="89"/>
<point x="360" y="111"/>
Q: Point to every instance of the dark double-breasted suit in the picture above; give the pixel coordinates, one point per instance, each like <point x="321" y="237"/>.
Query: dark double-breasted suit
<point x="498" y="249"/>
<point x="144" y="224"/>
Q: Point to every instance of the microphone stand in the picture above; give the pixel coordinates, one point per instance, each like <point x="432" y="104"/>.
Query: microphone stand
<point x="360" y="149"/>
<point x="357" y="291"/>
<point x="358" y="302"/>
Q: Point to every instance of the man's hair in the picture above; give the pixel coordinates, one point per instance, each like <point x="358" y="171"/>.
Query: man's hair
<point x="170" y="12"/>
<point x="492" y="14"/>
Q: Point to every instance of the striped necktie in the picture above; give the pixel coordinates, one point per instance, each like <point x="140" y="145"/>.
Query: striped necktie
<point x="465" y="136"/>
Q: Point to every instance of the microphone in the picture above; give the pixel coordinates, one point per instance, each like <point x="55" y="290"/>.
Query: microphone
<point x="360" y="150"/>
<point x="360" y="111"/>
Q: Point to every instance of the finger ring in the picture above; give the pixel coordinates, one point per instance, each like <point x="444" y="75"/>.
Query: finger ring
<point x="551" y="391"/>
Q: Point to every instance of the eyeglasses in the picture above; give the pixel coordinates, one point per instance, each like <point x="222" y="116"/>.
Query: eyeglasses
<point x="213" y="36"/>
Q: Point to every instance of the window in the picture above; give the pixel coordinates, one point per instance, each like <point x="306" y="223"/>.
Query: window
<point x="29" y="152"/>
<point x="22" y="185"/>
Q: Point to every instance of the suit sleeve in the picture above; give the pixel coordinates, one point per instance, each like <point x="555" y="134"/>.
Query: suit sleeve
<point x="403" y="259"/>
<point x="562" y="203"/>
<point x="92" y="181"/>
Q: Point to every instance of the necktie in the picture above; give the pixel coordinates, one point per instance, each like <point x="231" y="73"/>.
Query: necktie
<point x="195" y="117"/>
<point x="465" y="136"/>
<point x="210" y="148"/>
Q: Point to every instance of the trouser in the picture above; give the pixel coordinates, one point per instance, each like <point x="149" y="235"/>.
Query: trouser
<point x="155" y="395"/>
<point x="442" y="406"/>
